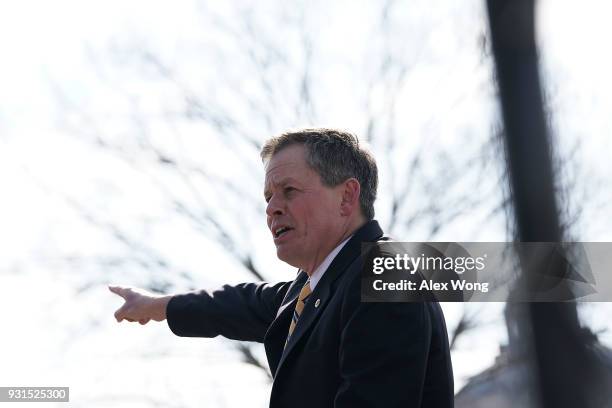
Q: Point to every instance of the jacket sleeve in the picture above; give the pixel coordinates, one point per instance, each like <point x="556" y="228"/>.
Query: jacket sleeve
<point x="241" y="312"/>
<point x="383" y="352"/>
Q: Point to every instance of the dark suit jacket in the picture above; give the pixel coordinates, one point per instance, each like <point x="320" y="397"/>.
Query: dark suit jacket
<point x="343" y="353"/>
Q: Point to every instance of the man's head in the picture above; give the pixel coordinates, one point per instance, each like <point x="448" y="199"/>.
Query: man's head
<point x="321" y="186"/>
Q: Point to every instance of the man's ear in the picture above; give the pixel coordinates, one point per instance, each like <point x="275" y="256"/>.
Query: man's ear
<point x="350" y="197"/>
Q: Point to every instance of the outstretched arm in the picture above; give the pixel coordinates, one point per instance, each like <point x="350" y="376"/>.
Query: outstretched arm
<point x="238" y="312"/>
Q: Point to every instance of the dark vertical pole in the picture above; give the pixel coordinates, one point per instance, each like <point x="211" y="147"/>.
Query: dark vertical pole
<point x="513" y="38"/>
<point x="562" y="361"/>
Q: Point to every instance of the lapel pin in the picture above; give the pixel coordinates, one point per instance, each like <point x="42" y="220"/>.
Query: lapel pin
<point x="318" y="302"/>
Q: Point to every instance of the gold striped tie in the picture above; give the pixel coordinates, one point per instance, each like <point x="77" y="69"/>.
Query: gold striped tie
<point x="299" y="307"/>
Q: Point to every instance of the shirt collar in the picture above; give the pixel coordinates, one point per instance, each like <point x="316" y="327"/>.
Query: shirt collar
<point x="318" y="273"/>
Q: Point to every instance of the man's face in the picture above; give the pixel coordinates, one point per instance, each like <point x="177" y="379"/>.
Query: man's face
<point x="303" y="214"/>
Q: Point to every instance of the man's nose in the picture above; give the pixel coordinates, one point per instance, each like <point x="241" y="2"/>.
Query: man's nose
<point x="274" y="207"/>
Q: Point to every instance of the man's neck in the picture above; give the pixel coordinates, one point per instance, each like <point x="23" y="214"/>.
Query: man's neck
<point x="348" y="231"/>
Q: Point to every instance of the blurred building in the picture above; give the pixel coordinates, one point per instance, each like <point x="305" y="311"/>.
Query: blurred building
<point x="507" y="382"/>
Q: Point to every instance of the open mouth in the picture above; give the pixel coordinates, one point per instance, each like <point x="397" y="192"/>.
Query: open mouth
<point x="281" y="231"/>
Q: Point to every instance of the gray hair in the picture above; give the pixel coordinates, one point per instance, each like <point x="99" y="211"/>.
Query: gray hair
<point x="336" y="156"/>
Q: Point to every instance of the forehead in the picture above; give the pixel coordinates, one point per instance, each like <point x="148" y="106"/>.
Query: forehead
<point x="289" y="163"/>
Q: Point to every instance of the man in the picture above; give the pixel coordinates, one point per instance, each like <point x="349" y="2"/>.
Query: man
<point x="324" y="346"/>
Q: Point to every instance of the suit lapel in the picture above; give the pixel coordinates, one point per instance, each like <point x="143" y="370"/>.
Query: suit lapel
<point x="320" y="295"/>
<point x="323" y="291"/>
<point x="293" y="292"/>
<point x="278" y="330"/>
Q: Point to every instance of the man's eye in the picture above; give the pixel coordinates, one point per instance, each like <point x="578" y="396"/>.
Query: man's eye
<point x="289" y="189"/>
<point x="268" y="198"/>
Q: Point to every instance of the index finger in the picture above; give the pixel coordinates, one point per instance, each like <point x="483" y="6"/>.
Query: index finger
<point x="118" y="290"/>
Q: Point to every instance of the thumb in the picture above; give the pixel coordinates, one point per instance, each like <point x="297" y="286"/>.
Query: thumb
<point x="122" y="313"/>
